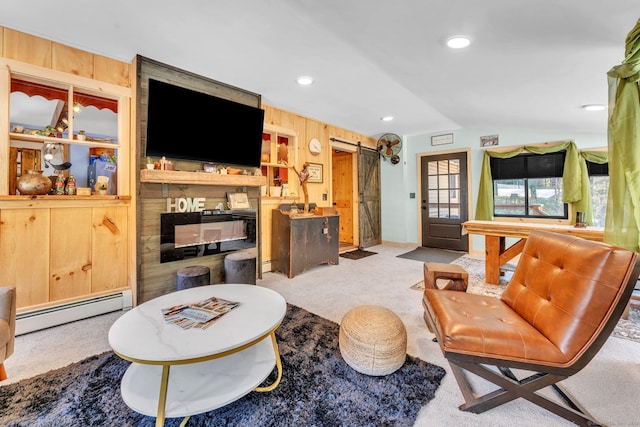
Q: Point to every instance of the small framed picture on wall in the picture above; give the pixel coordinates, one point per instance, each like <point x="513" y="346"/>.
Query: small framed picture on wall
<point x="489" y="140"/>
<point x="238" y="201"/>
<point x="315" y="172"/>
<point x="442" y="139"/>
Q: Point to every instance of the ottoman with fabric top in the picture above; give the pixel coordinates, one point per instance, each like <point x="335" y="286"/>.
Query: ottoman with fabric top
<point x="195" y="275"/>
<point x="240" y="267"/>
<point x="373" y="340"/>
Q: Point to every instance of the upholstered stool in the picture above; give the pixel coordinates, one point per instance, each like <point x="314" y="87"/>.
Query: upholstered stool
<point x="240" y="267"/>
<point x="458" y="278"/>
<point x="195" y="275"/>
<point x="373" y="340"/>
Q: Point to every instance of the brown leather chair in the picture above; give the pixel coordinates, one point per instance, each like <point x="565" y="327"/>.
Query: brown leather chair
<point x="563" y="301"/>
<point x="7" y="325"/>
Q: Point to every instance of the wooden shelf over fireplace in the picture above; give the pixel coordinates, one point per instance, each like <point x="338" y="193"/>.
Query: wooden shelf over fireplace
<point x="200" y="178"/>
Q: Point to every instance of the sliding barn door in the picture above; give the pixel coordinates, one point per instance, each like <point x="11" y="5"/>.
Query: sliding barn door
<point x="369" y="193"/>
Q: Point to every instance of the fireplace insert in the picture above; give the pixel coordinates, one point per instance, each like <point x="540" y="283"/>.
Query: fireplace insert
<point x="194" y="234"/>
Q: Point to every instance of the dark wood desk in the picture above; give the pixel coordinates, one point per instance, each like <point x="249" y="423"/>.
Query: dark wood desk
<point x="496" y="232"/>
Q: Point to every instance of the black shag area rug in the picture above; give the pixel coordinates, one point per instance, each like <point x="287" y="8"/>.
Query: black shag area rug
<point x="424" y="254"/>
<point x="317" y="389"/>
<point x="357" y="254"/>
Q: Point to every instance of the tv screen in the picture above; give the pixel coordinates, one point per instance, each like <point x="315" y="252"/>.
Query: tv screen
<point x="190" y="125"/>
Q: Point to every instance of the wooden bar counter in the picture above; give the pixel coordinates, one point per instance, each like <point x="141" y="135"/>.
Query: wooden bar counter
<point x="496" y="232"/>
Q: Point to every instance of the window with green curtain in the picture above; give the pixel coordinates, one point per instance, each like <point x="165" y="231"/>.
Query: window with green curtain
<point x="572" y="186"/>
<point x="529" y="186"/>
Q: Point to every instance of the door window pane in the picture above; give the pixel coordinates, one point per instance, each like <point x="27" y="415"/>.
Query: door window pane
<point x="443" y="167"/>
<point x="443" y="196"/>
<point x="432" y="168"/>
<point x="454" y="166"/>
<point x="433" y="203"/>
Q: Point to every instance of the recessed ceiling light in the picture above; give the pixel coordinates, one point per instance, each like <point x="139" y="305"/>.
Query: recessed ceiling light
<point x="594" y="107"/>
<point x="458" y="42"/>
<point x="386" y="118"/>
<point x="305" y="80"/>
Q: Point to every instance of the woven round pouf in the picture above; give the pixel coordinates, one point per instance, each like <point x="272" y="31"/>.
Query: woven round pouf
<point x="373" y="340"/>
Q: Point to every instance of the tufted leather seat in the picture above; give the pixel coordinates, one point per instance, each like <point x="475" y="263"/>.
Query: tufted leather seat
<point x="562" y="303"/>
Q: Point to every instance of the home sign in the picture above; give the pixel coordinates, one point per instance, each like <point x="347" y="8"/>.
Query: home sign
<point x="185" y="204"/>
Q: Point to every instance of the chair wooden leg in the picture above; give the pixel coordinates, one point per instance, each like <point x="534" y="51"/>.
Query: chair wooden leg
<point x="3" y="373"/>
<point x="625" y="314"/>
<point x="510" y="389"/>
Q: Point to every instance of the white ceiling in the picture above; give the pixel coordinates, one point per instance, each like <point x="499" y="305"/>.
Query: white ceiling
<point x="532" y="63"/>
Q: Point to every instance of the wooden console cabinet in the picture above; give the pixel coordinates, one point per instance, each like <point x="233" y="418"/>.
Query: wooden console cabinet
<point x="299" y="242"/>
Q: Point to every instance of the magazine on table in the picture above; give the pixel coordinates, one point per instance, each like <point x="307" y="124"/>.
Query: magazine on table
<point x="199" y="315"/>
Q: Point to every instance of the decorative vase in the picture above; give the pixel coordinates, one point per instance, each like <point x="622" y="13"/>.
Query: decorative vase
<point x="33" y="182"/>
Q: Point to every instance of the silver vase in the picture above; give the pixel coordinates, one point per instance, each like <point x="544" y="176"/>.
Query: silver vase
<point x="33" y="183"/>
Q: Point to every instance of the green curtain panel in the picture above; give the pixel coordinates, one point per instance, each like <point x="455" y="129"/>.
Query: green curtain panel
<point x="572" y="182"/>
<point x="484" y="206"/>
<point x="623" y="204"/>
<point x="585" y="204"/>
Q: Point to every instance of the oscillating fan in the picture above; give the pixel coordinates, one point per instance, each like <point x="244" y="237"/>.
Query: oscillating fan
<point x="389" y="146"/>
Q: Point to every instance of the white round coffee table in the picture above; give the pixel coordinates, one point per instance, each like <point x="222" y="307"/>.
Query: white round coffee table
<point x="182" y="372"/>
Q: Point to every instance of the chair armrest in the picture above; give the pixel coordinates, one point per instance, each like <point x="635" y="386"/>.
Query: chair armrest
<point x="8" y="314"/>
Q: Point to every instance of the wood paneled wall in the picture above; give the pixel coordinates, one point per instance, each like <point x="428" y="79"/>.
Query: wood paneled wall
<point x="48" y="54"/>
<point x="308" y="128"/>
<point x="57" y="251"/>
<point x="63" y="253"/>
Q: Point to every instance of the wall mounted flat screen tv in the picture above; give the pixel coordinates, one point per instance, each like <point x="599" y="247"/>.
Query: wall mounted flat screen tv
<point x="189" y="125"/>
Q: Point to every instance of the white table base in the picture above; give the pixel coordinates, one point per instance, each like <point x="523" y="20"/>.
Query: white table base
<point x="195" y="388"/>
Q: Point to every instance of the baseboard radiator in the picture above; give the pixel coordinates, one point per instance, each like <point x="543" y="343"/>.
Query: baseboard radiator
<point x="36" y="320"/>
